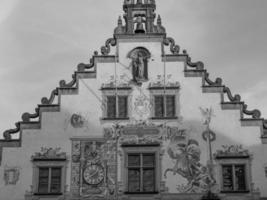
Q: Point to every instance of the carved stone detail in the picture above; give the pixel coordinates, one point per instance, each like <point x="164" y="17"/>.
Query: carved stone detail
<point x="231" y="150"/>
<point x="49" y="153"/>
<point x="11" y="175"/>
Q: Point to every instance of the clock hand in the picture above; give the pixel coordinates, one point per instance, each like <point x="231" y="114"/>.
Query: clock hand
<point x="94" y="173"/>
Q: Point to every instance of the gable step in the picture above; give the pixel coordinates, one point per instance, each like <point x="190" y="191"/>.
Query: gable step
<point x="212" y="89"/>
<point x="231" y="105"/>
<point x="251" y="122"/>
<point x="194" y="73"/>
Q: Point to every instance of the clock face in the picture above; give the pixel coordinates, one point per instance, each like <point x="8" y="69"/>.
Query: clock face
<point x="93" y="174"/>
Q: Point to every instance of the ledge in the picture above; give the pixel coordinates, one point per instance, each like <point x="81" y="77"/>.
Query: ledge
<point x="212" y="89"/>
<point x="164" y="118"/>
<point x="113" y="88"/>
<point x="194" y="73"/>
<point x="68" y="91"/>
<point x="11" y="143"/>
<point x="114" y="119"/>
<point x="166" y="88"/>
<point x="235" y="192"/>
<point x="86" y="74"/>
<point x="30" y="125"/>
<point x="232" y="105"/>
<point x="251" y="122"/>
<point x="49" y="108"/>
<point x="174" y="58"/>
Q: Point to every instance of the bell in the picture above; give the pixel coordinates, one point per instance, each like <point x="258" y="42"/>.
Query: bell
<point x="139" y="28"/>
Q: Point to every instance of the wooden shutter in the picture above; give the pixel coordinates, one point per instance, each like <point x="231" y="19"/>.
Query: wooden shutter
<point x="111" y="106"/>
<point x="170" y="106"/>
<point x="123" y="105"/>
<point x="159" y="106"/>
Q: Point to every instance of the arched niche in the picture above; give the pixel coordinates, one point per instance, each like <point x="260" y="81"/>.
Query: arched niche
<point x="140" y="57"/>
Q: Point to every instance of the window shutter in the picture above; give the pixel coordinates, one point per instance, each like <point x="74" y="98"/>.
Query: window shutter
<point x="123" y="104"/>
<point x="159" y="106"/>
<point x="111" y="107"/>
<point x="170" y="106"/>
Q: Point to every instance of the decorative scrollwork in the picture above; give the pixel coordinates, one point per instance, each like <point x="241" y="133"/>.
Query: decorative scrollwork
<point x="236" y="98"/>
<point x="256" y="114"/>
<point x="63" y="83"/>
<point x="175" y="49"/>
<point x="26" y="117"/>
<point x="7" y="134"/>
<point x="197" y="65"/>
<point x="46" y="101"/>
<point x="105" y="50"/>
<point x="217" y="82"/>
<point x="82" y="67"/>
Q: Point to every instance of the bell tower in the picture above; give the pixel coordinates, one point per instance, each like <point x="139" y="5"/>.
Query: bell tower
<point x="139" y="16"/>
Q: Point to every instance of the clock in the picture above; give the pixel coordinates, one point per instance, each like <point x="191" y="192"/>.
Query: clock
<point x="94" y="174"/>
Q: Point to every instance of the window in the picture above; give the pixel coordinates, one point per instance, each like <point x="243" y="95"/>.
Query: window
<point x="234" y="169"/>
<point x="49" y="180"/>
<point x="49" y="172"/>
<point x="117" y="108"/>
<point x="234" y="178"/>
<point x="141" y="173"/>
<point x="164" y="106"/>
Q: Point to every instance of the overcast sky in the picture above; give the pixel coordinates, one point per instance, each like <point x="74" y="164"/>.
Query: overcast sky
<point x="42" y="41"/>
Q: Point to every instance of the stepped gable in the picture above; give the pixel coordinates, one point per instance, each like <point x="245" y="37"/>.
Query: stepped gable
<point x="136" y="27"/>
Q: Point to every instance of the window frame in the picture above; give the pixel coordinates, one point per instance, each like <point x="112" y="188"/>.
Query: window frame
<point x="234" y="161"/>
<point x="168" y="91"/>
<point x="121" y="92"/>
<point x="47" y="163"/>
<point x="153" y="149"/>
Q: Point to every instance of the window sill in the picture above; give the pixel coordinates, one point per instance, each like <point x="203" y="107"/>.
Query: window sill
<point x="164" y="118"/>
<point x="47" y="194"/>
<point x="140" y="193"/>
<point x="117" y="118"/>
<point x="236" y="192"/>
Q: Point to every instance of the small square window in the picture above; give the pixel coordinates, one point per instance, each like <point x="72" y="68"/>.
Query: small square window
<point x="117" y="107"/>
<point x="164" y="106"/>
<point x="49" y="172"/>
<point x="234" y="178"/>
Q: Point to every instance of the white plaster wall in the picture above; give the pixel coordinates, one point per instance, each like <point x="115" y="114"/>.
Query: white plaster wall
<point x="56" y="130"/>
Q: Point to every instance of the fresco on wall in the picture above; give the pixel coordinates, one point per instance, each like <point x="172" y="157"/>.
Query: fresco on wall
<point x="186" y="155"/>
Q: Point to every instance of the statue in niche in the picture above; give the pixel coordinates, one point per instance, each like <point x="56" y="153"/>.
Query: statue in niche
<point x="139" y="63"/>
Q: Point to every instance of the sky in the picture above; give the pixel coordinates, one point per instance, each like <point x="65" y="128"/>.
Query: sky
<point x="43" y="41"/>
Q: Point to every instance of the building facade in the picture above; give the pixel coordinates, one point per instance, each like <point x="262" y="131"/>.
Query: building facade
<point x="141" y="121"/>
